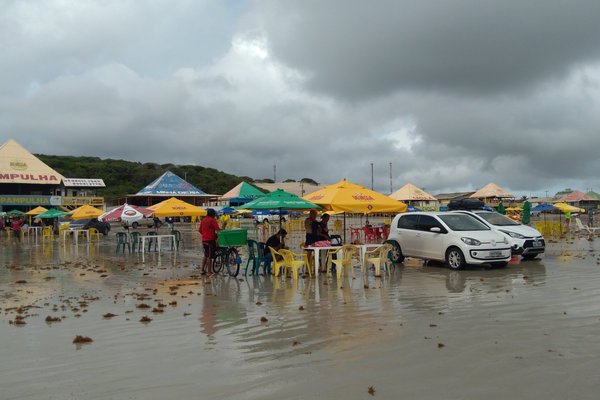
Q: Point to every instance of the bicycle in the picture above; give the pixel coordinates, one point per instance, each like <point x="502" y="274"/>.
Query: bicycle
<point x="227" y="258"/>
<point x="227" y="261"/>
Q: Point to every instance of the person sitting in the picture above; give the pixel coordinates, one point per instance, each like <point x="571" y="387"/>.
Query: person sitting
<point x="277" y="242"/>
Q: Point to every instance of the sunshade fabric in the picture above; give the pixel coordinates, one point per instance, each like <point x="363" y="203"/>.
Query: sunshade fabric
<point x="52" y="213"/>
<point x="279" y="199"/>
<point x="86" y="211"/>
<point x="169" y="184"/>
<point x="124" y="211"/>
<point x="174" y="207"/>
<point x="410" y="192"/>
<point x="491" y="190"/>
<point x="544" y="207"/>
<point x="564" y="207"/>
<point x="243" y="190"/>
<point x="36" y="211"/>
<point x="349" y="197"/>
<point x="15" y="212"/>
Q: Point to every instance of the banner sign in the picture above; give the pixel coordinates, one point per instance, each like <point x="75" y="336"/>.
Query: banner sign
<point x="14" y="200"/>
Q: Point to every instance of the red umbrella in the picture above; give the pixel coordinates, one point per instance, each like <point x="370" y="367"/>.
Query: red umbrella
<point x="125" y="212"/>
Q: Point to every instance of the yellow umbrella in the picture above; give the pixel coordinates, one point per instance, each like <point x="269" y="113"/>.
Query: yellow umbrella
<point x="174" y="207"/>
<point x="517" y="209"/>
<point x="564" y="207"/>
<point x="349" y="197"/>
<point x="86" y="211"/>
<point x="37" y="211"/>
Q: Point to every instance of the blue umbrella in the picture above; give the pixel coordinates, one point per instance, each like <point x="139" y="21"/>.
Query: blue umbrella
<point x="544" y="207"/>
<point x="227" y="211"/>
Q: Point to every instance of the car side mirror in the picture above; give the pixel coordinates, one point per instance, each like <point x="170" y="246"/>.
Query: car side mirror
<point x="435" y="229"/>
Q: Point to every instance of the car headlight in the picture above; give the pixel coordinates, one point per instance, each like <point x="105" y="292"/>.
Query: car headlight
<point x="470" y="241"/>
<point x="513" y="234"/>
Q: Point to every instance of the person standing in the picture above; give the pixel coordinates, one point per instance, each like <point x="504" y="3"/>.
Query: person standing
<point x="568" y="219"/>
<point x="208" y="230"/>
<point x="15" y="226"/>
<point x="591" y="217"/>
<point x="309" y="227"/>
<point x="320" y="228"/>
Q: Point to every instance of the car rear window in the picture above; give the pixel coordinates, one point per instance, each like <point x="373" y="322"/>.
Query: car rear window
<point x="463" y="222"/>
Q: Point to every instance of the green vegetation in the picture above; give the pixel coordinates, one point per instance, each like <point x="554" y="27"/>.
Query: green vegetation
<point x="125" y="177"/>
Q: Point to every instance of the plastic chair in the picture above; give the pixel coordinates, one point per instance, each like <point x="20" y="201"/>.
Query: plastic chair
<point x="309" y="257"/>
<point x="153" y="240"/>
<point x="292" y="263"/>
<point x="93" y="232"/>
<point x="178" y="239"/>
<point x="278" y="261"/>
<point x="377" y="257"/>
<point x="136" y="241"/>
<point x="343" y="261"/>
<point x="47" y="233"/>
<point x="354" y="234"/>
<point x="122" y="241"/>
<point x="256" y="256"/>
<point x="370" y="236"/>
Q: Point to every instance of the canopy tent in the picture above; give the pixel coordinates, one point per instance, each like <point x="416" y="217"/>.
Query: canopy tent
<point x="125" y="211"/>
<point x="410" y="192"/>
<point x="36" y="211"/>
<point x="175" y="207"/>
<point x="352" y="198"/>
<point x="169" y="184"/>
<point x="17" y="165"/>
<point x="52" y="213"/>
<point x="491" y="190"/>
<point x="242" y="193"/>
<point x="85" y="211"/>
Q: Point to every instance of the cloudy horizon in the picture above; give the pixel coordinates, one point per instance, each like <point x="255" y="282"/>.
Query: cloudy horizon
<point x="453" y="94"/>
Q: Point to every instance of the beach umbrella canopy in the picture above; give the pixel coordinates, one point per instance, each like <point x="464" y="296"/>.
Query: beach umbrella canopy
<point x="500" y="209"/>
<point x="227" y="211"/>
<point x="352" y="198"/>
<point x="544" y="207"/>
<point x="564" y="207"/>
<point x="526" y="217"/>
<point x="174" y="207"/>
<point x="52" y="213"/>
<point x="36" y="211"/>
<point x="124" y="212"/>
<point x="86" y="211"/>
<point x="15" y="213"/>
<point x="280" y="200"/>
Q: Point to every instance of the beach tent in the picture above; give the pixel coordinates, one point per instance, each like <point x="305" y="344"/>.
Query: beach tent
<point x="242" y="193"/>
<point x="491" y="190"/>
<point x="36" y="211"/>
<point x="174" y="207"/>
<point x="351" y="198"/>
<point x="85" y="211"/>
<point x="169" y="184"/>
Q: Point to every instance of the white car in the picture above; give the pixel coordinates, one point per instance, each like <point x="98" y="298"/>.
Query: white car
<point x="525" y="240"/>
<point x="456" y="238"/>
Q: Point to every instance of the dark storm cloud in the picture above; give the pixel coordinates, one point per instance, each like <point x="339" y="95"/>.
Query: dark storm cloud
<point x="356" y="49"/>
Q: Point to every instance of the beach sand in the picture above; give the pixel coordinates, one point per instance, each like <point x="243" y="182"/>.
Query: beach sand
<point x="527" y="331"/>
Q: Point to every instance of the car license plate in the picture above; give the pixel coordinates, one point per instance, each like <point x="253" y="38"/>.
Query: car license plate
<point x="537" y="244"/>
<point x="495" y="253"/>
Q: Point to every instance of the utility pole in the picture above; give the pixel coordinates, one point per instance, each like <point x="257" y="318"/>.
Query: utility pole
<point x="391" y="178"/>
<point x="275" y="173"/>
<point x="372" y="176"/>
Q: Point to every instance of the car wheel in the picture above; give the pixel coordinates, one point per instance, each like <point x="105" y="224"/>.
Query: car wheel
<point x="499" y="264"/>
<point x="135" y="225"/>
<point x="396" y="253"/>
<point x="529" y="256"/>
<point x="455" y="258"/>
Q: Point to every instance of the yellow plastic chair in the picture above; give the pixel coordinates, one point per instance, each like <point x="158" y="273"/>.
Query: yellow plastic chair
<point x="61" y="229"/>
<point x="94" y="233"/>
<point x="377" y="257"/>
<point x="47" y="233"/>
<point x="278" y="261"/>
<point x="292" y="263"/>
<point x="343" y="260"/>
<point x="308" y="258"/>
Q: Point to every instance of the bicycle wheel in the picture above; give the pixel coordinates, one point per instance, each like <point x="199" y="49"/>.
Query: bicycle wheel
<point x="218" y="261"/>
<point x="233" y="262"/>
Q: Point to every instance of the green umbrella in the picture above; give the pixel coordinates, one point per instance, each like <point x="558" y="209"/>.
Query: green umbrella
<point x="526" y="218"/>
<point x="15" y="212"/>
<point x="500" y="208"/>
<point x="52" y="213"/>
<point x="279" y="200"/>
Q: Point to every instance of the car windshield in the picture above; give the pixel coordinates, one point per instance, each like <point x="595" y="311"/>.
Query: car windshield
<point x="463" y="222"/>
<point x="497" y="219"/>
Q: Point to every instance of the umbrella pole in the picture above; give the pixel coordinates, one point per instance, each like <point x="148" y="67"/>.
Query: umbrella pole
<point x="344" y="226"/>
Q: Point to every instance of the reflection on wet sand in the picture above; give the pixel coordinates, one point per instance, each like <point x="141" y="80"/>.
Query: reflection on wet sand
<point x="265" y="337"/>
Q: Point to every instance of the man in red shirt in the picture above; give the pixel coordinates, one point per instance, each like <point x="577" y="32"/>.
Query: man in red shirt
<point x="208" y="229"/>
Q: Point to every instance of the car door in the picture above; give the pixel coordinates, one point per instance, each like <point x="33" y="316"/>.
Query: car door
<point x="430" y="244"/>
<point x="407" y="234"/>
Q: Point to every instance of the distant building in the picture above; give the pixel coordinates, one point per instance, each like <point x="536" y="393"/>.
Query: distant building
<point x="26" y="182"/>
<point x="445" y="198"/>
<point x="298" y="188"/>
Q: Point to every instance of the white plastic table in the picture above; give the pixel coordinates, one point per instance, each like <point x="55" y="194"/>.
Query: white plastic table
<point x="37" y="230"/>
<point x="75" y="233"/>
<point x="158" y="238"/>
<point x="363" y="248"/>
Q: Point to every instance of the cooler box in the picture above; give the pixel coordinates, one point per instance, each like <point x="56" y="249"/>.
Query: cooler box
<point x="232" y="237"/>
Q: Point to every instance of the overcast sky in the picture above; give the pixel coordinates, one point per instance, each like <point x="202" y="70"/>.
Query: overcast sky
<point x="453" y="93"/>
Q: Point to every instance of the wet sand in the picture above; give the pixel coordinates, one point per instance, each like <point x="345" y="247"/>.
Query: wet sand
<point x="528" y="331"/>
